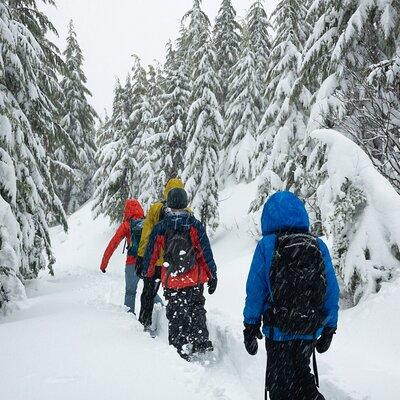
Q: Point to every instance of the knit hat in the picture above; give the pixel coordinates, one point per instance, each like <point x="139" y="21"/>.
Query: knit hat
<point x="177" y="199"/>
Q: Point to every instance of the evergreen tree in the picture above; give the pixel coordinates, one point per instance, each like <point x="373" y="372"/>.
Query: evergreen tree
<point x="26" y="188"/>
<point x="118" y="177"/>
<point x="79" y="122"/>
<point x="227" y="43"/>
<point x="347" y="37"/>
<point x="172" y="142"/>
<point x="108" y="154"/>
<point x="344" y="40"/>
<point x="204" y="121"/>
<point x="151" y="121"/>
<point x="258" y="26"/>
<point x="284" y="123"/>
<point x="104" y="133"/>
<point x="374" y="118"/>
<point x="245" y="100"/>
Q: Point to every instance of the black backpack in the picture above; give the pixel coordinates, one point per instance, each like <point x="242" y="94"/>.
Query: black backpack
<point x="136" y="234"/>
<point x="298" y="285"/>
<point x="179" y="254"/>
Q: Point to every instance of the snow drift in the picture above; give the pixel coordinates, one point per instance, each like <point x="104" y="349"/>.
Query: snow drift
<point x="360" y="213"/>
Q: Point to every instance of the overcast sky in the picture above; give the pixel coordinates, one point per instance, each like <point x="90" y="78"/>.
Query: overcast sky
<point x="110" y="31"/>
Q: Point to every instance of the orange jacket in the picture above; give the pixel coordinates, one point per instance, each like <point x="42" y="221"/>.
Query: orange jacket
<point x="134" y="210"/>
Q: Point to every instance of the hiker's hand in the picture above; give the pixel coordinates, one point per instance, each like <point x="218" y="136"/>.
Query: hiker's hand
<point x="212" y="285"/>
<point x="103" y="269"/>
<point x="139" y="266"/>
<point x="250" y="334"/>
<point x="324" y="342"/>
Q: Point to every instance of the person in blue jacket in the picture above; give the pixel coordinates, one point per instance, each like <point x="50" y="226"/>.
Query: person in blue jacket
<point x="288" y="374"/>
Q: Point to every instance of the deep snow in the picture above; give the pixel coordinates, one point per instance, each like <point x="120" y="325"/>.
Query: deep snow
<point x="86" y="346"/>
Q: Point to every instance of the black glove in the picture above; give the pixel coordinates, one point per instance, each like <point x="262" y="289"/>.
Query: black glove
<point x="212" y="285"/>
<point x="139" y="266"/>
<point x="325" y="340"/>
<point x="251" y="333"/>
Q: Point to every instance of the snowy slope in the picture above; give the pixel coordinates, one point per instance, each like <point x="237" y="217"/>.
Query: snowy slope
<point x="88" y="348"/>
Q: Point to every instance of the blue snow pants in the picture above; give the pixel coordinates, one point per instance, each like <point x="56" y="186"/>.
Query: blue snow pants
<point x="131" y="283"/>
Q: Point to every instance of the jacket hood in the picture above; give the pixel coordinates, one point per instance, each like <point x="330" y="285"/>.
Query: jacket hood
<point x="175" y="183"/>
<point x="284" y="211"/>
<point x="133" y="209"/>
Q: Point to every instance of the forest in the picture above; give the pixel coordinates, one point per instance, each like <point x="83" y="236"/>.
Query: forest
<point x="306" y="99"/>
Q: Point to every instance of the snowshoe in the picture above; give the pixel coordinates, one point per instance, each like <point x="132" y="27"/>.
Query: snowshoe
<point x="203" y="353"/>
<point x="185" y="352"/>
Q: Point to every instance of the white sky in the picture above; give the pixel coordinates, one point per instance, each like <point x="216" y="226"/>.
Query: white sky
<point x="110" y="31"/>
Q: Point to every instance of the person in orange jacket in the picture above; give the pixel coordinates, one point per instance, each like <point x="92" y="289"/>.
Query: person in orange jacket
<point x="132" y="218"/>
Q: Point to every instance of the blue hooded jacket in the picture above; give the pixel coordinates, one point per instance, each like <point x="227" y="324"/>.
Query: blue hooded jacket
<point x="282" y="212"/>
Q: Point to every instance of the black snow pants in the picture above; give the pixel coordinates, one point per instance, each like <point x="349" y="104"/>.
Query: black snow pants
<point x="187" y="324"/>
<point x="288" y="375"/>
<point x="150" y="289"/>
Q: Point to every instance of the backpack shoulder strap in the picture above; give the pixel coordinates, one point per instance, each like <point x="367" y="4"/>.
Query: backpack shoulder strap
<point x="275" y="262"/>
<point x="161" y="216"/>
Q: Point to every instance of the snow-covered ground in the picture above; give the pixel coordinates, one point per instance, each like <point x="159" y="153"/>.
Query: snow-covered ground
<point x="86" y="346"/>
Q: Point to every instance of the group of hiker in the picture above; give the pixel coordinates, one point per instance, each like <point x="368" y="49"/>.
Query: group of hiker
<point x="291" y="287"/>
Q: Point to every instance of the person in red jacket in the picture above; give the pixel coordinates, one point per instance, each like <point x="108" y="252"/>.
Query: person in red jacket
<point x="188" y="265"/>
<point x="132" y="211"/>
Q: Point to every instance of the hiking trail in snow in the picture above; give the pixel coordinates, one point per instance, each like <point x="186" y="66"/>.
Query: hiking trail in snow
<point x="87" y="347"/>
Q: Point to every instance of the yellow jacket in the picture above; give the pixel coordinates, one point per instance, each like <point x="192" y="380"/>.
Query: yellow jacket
<point x="153" y="217"/>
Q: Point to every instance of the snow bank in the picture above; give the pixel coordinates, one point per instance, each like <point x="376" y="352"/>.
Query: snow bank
<point x="360" y="214"/>
<point x="11" y="287"/>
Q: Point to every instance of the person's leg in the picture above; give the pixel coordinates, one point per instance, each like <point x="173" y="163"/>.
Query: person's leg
<point x="198" y="333"/>
<point x="131" y="282"/>
<point x="305" y="381"/>
<point x="279" y="376"/>
<point x="150" y="289"/>
<point x="158" y="300"/>
<point x="177" y="320"/>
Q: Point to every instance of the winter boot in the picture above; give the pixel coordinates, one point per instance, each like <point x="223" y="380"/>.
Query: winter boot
<point x="202" y="348"/>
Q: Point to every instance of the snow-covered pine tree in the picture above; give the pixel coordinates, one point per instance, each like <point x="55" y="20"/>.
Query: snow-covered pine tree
<point x="258" y="25"/>
<point x="109" y="153"/>
<point x="157" y="88"/>
<point x="346" y="39"/>
<point x="118" y="177"/>
<point x="172" y="144"/>
<point x="150" y="120"/>
<point x="372" y="117"/>
<point x="204" y="121"/>
<point x="104" y="133"/>
<point x="78" y="121"/>
<point x="353" y="197"/>
<point x="258" y="28"/>
<point x="227" y="39"/>
<point x="244" y="112"/>
<point x="283" y="126"/>
<point x="26" y="188"/>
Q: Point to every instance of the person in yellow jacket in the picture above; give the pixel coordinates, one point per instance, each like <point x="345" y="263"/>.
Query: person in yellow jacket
<point x="151" y="285"/>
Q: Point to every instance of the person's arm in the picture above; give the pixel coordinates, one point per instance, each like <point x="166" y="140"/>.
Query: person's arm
<point x="154" y="247"/>
<point x="256" y="289"/>
<point x="205" y="249"/>
<point x="150" y="221"/>
<point x="331" y="304"/>
<point x="120" y="234"/>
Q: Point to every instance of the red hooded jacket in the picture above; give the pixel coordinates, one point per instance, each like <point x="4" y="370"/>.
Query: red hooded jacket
<point x="134" y="210"/>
